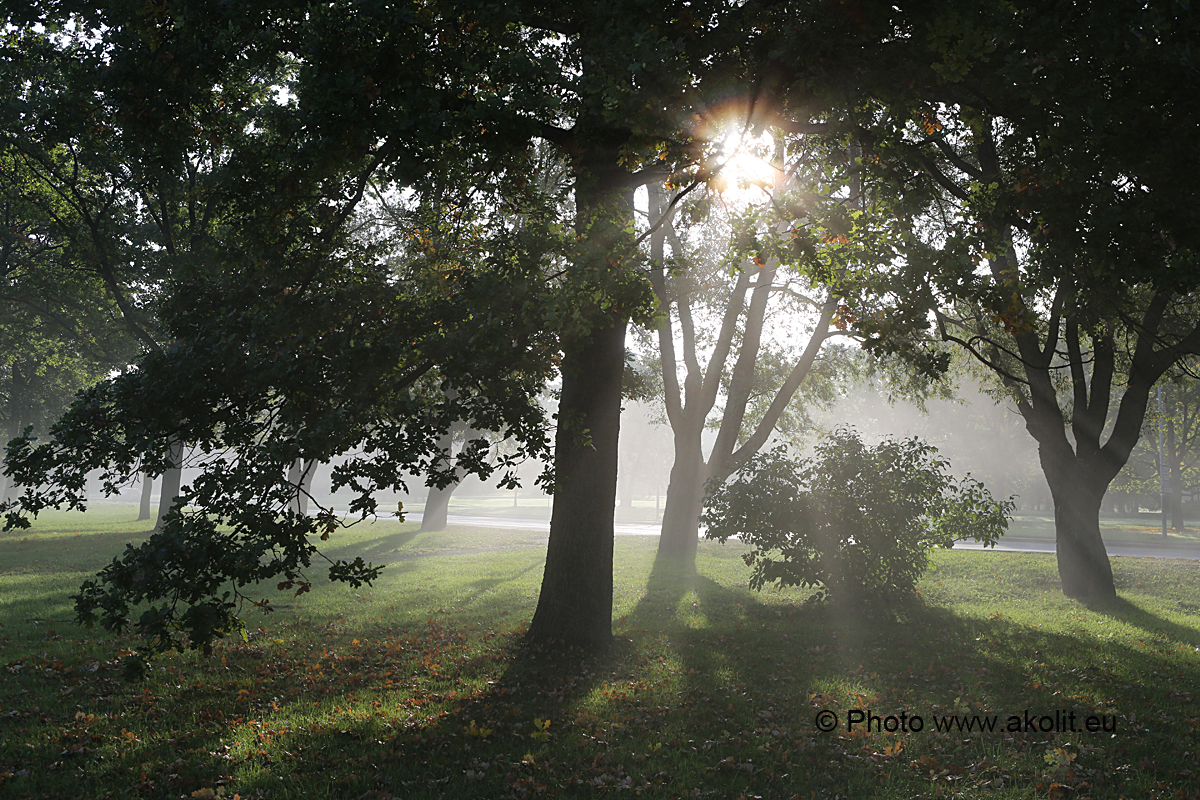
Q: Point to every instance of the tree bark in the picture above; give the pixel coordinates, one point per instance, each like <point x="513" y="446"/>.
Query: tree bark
<point x="575" y="604"/>
<point x="171" y="480"/>
<point x="1078" y="491"/>
<point x="147" y="490"/>
<point x="437" y="508"/>
<point x="685" y="493"/>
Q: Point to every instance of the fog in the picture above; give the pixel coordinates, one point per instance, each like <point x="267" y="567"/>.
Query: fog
<point x="974" y="433"/>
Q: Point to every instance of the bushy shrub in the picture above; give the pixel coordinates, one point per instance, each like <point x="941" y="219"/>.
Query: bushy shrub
<point x="855" y="521"/>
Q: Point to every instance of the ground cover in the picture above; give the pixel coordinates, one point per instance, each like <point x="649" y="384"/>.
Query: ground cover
<point x="418" y="686"/>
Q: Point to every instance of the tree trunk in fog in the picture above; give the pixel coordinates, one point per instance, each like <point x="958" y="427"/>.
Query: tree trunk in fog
<point x="437" y="502"/>
<point x="437" y="508"/>
<point x="575" y="604"/>
<point x="1175" y="496"/>
<point x="171" y="479"/>
<point x="1079" y="469"/>
<point x="300" y="476"/>
<point x="681" y="519"/>
<point x="144" y="503"/>
<point x="1078" y="490"/>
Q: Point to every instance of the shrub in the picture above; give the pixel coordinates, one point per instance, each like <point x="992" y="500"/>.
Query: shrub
<point x="855" y="521"/>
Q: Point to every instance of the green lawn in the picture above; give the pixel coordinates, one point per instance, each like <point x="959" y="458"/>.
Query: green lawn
<point x="418" y="686"/>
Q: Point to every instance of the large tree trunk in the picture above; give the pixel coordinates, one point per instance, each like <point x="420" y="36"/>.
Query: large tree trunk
<point x="575" y="604"/>
<point x="147" y="490"/>
<point x="1083" y="564"/>
<point x="171" y="480"/>
<point x="1079" y="472"/>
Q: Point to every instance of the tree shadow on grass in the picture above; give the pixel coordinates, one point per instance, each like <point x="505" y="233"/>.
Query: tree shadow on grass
<point x="375" y="549"/>
<point x="762" y="666"/>
<point x="1119" y="608"/>
<point x="430" y="709"/>
<point x="483" y="585"/>
<point x="84" y="552"/>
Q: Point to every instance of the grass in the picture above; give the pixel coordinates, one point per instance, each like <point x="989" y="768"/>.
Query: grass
<point x="419" y="686"/>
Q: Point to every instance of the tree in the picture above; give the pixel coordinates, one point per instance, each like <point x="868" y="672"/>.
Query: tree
<point x="303" y="345"/>
<point x="736" y="369"/>
<point x="57" y="330"/>
<point x="119" y="181"/>
<point x="1057" y="251"/>
<point x="1170" y="440"/>
<point x="1180" y="417"/>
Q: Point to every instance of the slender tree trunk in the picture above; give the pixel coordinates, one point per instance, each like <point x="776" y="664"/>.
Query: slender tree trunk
<point x="437" y="508"/>
<point x="147" y="490"/>
<point x="1175" y="496"/>
<point x="310" y="469"/>
<point x="171" y="479"/>
<point x="685" y="493"/>
<point x="300" y="475"/>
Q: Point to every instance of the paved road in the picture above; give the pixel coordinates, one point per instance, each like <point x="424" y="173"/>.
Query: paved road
<point x="1009" y="544"/>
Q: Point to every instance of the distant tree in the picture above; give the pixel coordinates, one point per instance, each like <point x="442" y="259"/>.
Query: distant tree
<point x="1176" y="429"/>
<point x="1181" y="441"/>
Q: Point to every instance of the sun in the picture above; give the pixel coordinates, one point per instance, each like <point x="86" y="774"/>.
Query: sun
<point x="745" y="173"/>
